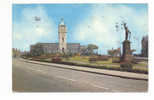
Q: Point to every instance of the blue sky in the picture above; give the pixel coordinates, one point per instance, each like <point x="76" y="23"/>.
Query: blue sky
<point x="86" y="23"/>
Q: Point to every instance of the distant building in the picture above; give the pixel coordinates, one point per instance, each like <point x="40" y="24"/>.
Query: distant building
<point x="144" y="51"/>
<point x="62" y="46"/>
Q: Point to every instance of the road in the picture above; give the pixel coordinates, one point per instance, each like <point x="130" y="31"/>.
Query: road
<point x="28" y="77"/>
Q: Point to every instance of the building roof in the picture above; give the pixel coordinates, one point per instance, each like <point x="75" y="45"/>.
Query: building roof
<point x="74" y="43"/>
<point x="55" y="44"/>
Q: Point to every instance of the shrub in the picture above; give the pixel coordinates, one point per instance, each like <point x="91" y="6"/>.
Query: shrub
<point x="134" y="61"/>
<point x="126" y="66"/>
<point x="36" y="59"/>
<point x="116" y="60"/>
<point x="70" y="54"/>
<point x="92" y="59"/>
<point x="67" y="56"/>
<point x="103" y="58"/>
<point x="77" y="54"/>
<point x="56" y="59"/>
<point x="42" y="57"/>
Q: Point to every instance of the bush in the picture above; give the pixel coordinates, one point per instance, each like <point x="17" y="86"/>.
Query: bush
<point x="56" y="59"/>
<point x="77" y="54"/>
<point x="42" y="57"/>
<point x="103" y="58"/>
<point x="92" y="59"/>
<point x="116" y="60"/>
<point x="134" y="61"/>
<point x="126" y="66"/>
<point x="67" y="55"/>
<point x="36" y="59"/>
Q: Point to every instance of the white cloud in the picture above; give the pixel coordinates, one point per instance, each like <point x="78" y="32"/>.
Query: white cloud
<point x="17" y="36"/>
<point x="28" y="31"/>
<point x="99" y="26"/>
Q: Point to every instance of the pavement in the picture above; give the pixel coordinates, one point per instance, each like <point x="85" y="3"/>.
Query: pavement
<point x="33" y="77"/>
<point x="122" y="74"/>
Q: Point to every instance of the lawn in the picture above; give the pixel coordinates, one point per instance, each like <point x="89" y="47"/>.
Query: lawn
<point x="84" y="61"/>
<point x="78" y="58"/>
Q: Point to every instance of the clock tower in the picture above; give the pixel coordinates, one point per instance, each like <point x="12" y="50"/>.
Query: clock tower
<point x="62" y="30"/>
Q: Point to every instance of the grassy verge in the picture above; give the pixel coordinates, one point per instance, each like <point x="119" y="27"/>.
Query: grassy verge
<point x="83" y="61"/>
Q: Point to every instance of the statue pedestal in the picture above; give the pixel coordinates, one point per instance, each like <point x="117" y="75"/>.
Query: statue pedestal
<point x="127" y="55"/>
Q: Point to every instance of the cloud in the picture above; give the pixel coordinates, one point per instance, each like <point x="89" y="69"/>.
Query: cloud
<point x="27" y="30"/>
<point x="99" y="26"/>
<point x="17" y="36"/>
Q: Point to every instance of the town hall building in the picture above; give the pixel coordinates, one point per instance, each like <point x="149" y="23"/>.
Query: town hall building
<point x="61" y="47"/>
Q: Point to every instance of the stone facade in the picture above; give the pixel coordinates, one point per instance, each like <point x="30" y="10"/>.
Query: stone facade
<point x="62" y="46"/>
<point x="73" y="48"/>
<point x="51" y="48"/>
<point x="62" y="30"/>
<point x="127" y="54"/>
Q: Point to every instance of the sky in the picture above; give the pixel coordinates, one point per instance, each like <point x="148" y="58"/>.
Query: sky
<point x="86" y="24"/>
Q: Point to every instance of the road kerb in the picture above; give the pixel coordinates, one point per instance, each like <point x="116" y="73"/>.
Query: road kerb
<point x="128" y="75"/>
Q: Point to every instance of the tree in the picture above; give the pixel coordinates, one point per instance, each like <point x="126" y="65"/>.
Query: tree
<point x="91" y="48"/>
<point x="83" y="50"/>
<point x="37" y="51"/>
<point x="114" y="52"/>
<point x="111" y="52"/>
<point x="88" y="50"/>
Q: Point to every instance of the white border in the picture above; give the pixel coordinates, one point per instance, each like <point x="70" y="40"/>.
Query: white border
<point x="6" y="61"/>
<point x="80" y="1"/>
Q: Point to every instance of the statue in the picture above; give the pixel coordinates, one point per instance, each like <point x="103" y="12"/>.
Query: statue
<point x="127" y="54"/>
<point x="127" y="32"/>
<point x="126" y="49"/>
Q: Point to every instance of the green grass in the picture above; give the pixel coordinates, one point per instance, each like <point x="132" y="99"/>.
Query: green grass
<point x="141" y="64"/>
<point x="105" y="62"/>
<point x="48" y="59"/>
<point x="84" y="61"/>
<point x="78" y="58"/>
<point x="140" y="68"/>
